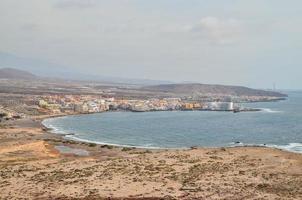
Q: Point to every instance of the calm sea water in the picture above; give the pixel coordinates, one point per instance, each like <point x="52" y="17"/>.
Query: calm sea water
<point x="278" y="125"/>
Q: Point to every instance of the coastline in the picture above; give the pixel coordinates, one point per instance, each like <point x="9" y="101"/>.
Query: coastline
<point x="70" y="136"/>
<point x="32" y="167"/>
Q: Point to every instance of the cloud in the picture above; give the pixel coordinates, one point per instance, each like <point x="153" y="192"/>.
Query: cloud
<point x="75" y="3"/>
<point x="219" y="31"/>
<point x="29" y="27"/>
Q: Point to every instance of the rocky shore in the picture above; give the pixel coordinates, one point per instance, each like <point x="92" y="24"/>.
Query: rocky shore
<point x="36" y="164"/>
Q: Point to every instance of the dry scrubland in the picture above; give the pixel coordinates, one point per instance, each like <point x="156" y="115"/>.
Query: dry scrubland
<point x="31" y="168"/>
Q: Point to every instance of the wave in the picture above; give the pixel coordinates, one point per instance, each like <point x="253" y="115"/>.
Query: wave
<point x="53" y="128"/>
<point x="291" y="147"/>
<point x="268" y="110"/>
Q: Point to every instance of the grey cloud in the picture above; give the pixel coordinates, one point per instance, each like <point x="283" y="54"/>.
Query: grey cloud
<point x="219" y="31"/>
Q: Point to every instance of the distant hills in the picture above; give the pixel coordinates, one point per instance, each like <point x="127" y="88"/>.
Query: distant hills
<point x="185" y="89"/>
<point x="196" y="88"/>
<point x="10" y="73"/>
<point x="47" y="69"/>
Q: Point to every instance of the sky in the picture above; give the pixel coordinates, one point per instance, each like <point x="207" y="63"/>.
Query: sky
<point x="255" y="43"/>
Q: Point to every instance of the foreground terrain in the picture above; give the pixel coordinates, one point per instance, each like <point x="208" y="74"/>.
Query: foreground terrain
<point x="31" y="167"/>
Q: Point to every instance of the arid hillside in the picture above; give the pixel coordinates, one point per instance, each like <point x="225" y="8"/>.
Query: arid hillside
<point x="196" y="88"/>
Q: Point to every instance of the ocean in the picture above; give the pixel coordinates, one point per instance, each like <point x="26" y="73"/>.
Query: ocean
<point x="278" y="125"/>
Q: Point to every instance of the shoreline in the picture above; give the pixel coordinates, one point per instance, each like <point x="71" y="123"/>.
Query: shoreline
<point x="76" y="139"/>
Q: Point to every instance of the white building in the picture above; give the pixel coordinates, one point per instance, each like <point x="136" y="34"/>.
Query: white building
<point x="224" y="106"/>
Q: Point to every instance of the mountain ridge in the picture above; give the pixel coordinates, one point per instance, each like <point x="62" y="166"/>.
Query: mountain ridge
<point x="179" y="88"/>
<point x="11" y="73"/>
<point x="198" y="88"/>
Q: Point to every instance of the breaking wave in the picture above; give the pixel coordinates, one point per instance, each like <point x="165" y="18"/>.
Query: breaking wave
<point x="291" y="147"/>
<point x="268" y="110"/>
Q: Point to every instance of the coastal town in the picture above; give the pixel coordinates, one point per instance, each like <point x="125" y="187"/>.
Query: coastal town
<point x="87" y="104"/>
<point x="94" y="104"/>
<point x="20" y="98"/>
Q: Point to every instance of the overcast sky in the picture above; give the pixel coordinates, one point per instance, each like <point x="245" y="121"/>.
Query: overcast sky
<point x="241" y="42"/>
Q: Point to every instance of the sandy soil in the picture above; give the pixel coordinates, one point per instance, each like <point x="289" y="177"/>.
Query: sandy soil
<point x="32" y="168"/>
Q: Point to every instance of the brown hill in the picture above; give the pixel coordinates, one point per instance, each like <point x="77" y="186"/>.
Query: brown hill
<point x="11" y="73"/>
<point x="196" y="88"/>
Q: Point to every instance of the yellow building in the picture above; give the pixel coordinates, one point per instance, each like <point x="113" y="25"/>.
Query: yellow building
<point x="188" y="106"/>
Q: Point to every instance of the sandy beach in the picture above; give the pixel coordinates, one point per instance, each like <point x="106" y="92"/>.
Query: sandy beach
<point x="33" y="167"/>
